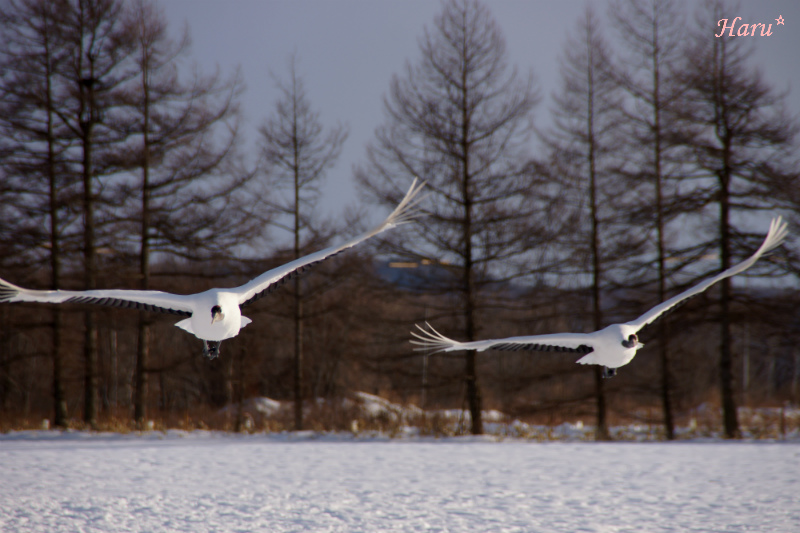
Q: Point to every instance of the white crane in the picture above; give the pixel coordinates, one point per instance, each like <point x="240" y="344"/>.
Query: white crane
<point x="613" y="346"/>
<point x="213" y="315"/>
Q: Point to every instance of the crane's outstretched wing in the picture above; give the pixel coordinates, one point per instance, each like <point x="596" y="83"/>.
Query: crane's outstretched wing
<point x="268" y="281"/>
<point x="162" y="302"/>
<point x="431" y="340"/>
<point x="777" y="232"/>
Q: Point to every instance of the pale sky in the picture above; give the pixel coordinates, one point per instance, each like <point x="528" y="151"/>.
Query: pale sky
<point x="348" y="51"/>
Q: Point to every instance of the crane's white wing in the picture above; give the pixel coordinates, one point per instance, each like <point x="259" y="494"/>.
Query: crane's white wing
<point x="777" y="232"/>
<point x="263" y="284"/>
<point x="432" y="340"/>
<point x="162" y="302"/>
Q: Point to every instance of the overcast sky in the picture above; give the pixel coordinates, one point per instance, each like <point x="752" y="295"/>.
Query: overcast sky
<point x="348" y="51"/>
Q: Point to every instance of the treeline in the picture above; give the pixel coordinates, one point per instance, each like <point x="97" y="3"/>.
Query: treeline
<point x="667" y="155"/>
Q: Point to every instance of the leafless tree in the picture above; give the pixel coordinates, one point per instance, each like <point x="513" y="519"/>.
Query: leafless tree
<point x="296" y="154"/>
<point x="189" y="199"/>
<point x="741" y="139"/>
<point x="460" y="119"/>
<point x="36" y="170"/>
<point x="584" y="147"/>
<point x="651" y="33"/>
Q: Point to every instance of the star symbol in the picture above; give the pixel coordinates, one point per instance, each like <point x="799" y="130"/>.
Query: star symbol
<point x="780" y="20"/>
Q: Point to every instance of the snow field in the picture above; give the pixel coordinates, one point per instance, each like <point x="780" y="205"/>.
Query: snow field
<point x="223" y="483"/>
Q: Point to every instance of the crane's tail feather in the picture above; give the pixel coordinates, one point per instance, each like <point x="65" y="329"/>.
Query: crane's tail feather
<point x="778" y="229"/>
<point x="8" y="291"/>
<point x="408" y="208"/>
<point x="433" y="341"/>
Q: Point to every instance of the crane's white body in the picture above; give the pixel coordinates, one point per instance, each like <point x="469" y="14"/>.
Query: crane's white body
<point x="202" y="324"/>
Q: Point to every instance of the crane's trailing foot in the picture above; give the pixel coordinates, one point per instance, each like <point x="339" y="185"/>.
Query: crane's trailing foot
<point x="609" y="372"/>
<point x="211" y="349"/>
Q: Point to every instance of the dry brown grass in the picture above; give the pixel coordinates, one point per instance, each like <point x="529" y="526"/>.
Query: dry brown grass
<point x="766" y="422"/>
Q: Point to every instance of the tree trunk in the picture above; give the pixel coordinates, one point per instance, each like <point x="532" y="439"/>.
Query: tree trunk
<point x="474" y="400"/>
<point x="669" y="425"/>
<point x="59" y="397"/>
<point x="597" y="310"/>
<point x="90" y="283"/>
<point x="140" y="390"/>
<point x="729" y="415"/>
<point x="298" y="356"/>
<point x="87" y="119"/>
<point x="238" y="390"/>
<point x="59" y="400"/>
<point x="298" y="297"/>
<point x="143" y="345"/>
<point x="473" y="392"/>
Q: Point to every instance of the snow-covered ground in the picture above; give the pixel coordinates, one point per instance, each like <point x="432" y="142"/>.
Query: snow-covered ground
<point x="201" y="481"/>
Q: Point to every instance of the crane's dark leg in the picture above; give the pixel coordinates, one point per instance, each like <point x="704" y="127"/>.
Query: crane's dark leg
<point x="211" y="349"/>
<point x="609" y="372"/>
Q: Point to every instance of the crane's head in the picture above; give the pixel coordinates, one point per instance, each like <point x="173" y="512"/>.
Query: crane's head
<point x="632" y="342"/>
<point x="216" y="314"/>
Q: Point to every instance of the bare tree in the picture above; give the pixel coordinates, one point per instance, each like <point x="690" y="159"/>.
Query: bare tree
<point x="80" y="57"/>
<point x="35" y="167"/>
<point x="584" y="147"/>
<point x="189" y="199"/>
<point x="297" y="153"/>
<point x="460" y="119"/>
<point x="651" y="33"/>
<point x="99" y="48"/>
<point x="741" y="141"/>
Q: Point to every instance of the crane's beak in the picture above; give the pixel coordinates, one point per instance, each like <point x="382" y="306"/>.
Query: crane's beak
<point x="216" y="314"/>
